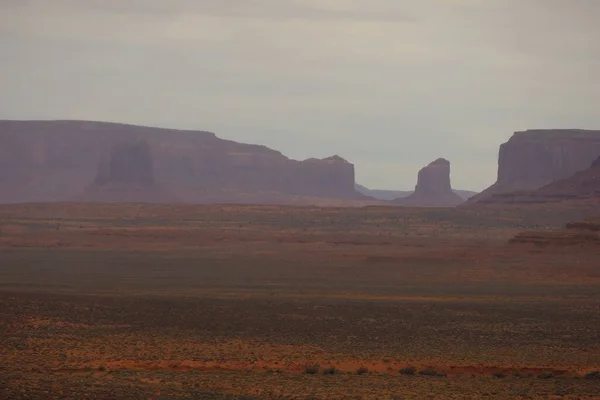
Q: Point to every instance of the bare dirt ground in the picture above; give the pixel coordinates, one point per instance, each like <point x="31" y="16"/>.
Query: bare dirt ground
<point x="242" y="302"/>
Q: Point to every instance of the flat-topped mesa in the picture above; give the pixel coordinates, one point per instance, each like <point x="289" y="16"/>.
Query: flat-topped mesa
<point x="534" y="158"/>
<point x="582" y="185"/>
<point x="326" y="176"/>
<point x="127" y="163"/>
<point x="59" y="160"/>
<point x="433" y="187"/>
<point x="127" y="175"/>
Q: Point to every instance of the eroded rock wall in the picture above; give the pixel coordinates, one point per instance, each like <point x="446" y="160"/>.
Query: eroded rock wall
<point x="433" y="187"/>
<point x="59" y="160"/>
<point x="534" y="158"/>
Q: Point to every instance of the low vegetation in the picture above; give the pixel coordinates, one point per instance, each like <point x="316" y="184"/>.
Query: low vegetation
<point x="312" y="370"/>
<point x="408" y="371"/>
<point x="592" y="375"/>
<point x="430" y="371"/>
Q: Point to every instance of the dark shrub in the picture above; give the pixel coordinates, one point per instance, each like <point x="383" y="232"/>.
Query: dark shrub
<point x="408" y="371"/>
<point x="430" y="371"/>
<point x="362" y="370"/>
<point x="313" y="369"/>
<point x="329" y="371"/>
<point x="545" y="375"/>
<point x="592" y="375"/>
<point x="499" y="375"/>
<point x="520" y="374"/>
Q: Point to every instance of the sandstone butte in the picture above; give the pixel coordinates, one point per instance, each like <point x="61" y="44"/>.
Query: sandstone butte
<point x="533" y="159"/>
<point x="433" y="187"/>
<point x="49" y="161"/>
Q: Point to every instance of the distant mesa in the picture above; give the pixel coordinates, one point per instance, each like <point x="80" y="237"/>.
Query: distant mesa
<point x="583" y="185"/>
<point x="127" y="175"/>
<point x="386" y="195"/>
<point x="533" y="159"/>
<point x="433" y="187"/>
<point x="44" y="161"/>
<point x="127" y="163"/>
<point x="389" y="195"/>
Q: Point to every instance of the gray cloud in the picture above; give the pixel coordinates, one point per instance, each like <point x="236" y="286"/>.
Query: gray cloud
<point x="390" y="85"/>
<point x="245" y="9"/>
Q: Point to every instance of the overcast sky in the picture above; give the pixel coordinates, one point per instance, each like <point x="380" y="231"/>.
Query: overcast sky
<point x="388" y="84"/>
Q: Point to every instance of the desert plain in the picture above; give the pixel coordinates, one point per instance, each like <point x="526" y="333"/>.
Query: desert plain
<point x="134" y="301"/>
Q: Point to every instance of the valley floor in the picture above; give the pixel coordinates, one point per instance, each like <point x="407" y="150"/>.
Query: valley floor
<point x="232" y="302"/>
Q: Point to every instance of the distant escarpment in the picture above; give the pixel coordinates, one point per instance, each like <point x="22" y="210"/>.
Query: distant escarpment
<point x="433" y="187"/>
<point x="95" y="161"/>
<point x="535" y="158"/>
<point x="127" y="163"/>
<point x="127" y="175"/>
<point x="389" y="195"/>
<point x="583" y="185"/>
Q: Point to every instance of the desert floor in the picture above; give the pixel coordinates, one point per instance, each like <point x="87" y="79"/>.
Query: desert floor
<point x="261" y="302"/>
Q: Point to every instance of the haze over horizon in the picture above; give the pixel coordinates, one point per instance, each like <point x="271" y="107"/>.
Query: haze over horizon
<point x="388" y="85"/>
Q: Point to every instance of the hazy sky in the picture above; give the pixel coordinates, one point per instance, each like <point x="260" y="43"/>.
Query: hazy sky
<point x="388" y="84"/>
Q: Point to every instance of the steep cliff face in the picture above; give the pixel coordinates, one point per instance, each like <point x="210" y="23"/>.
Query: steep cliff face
<point x="433" y="187"/>
<point x="59" y="160"/>
<point x="127" y="175"/>
<point x="534" y="158"/>
<point x="582" y="185"/>
<point x="128" y="163"/>
<point x="329" y="176"/>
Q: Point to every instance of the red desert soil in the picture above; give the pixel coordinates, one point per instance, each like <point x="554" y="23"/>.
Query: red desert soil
<point x="231" y="303"/>
<point x="341" y="366"/>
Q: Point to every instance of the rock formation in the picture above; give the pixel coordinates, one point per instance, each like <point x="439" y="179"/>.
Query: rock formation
<point x="534" y="158"/>
<point x="584" y="233"/>
<point x="332" y="176"/>
<point x="591" y="226"/>
<point x="433" y="187"/>
<point x="60" y="160"/>
<point x="127" y="175"/>
<point x="128" y="163"/>
<point x="582" y="185"/>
